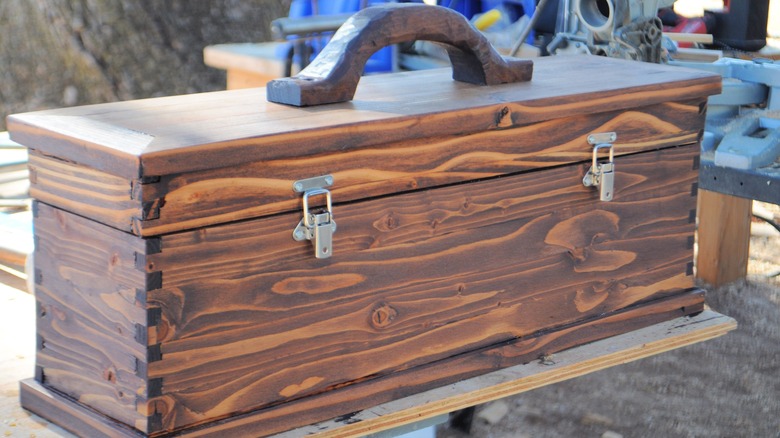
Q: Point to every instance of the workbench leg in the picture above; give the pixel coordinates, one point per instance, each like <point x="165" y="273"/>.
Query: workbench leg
<point x="723" y="237"/>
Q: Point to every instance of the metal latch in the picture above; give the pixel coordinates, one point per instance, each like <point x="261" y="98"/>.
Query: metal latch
<point x="319" y="226"/>
<point x="602" y="174"/>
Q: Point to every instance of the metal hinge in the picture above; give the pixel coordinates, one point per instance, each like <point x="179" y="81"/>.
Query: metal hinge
<point x="602" y="174"/>
<point x="318" y="227"/>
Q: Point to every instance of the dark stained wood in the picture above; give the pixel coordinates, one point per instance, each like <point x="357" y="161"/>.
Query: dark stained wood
<point x="245" y="316"/>
<point x="484" y="388"/>
<point x="180" y="134"/>
<point x="372" y="392"/>
<point x="173" y="299"/>
<point x="195" y="326"/>
<point x="75" y="417"/>
<point x="92" y="193"/>
<point x="70" y="414"/>
<point x="333" y="76"/>
<point x="89" y="314"/>
<point x="186" y="201"/>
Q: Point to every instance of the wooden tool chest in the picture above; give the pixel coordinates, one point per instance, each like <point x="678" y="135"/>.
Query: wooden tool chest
<point x="191" y="278"/>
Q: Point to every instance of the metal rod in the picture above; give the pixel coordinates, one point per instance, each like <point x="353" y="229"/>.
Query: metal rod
<point x="528" y="28"/>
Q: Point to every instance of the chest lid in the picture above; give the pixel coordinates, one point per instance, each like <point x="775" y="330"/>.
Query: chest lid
<point x="162" y="165"/>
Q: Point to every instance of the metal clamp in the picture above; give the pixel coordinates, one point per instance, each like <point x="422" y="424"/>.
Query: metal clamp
<point x="602" y="174"/>
<point x="318" y="227"/>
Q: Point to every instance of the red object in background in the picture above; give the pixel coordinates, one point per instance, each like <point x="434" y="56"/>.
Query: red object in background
<point x="679" y="24"/>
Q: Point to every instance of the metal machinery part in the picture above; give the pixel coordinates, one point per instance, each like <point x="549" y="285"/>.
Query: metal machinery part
<point x="628" y="29"/>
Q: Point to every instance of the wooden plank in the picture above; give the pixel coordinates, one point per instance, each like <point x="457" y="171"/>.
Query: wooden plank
<point x="16" y="239"/>
<point x="192" y="200"/>
<point x="88" y="192"/>
<point x="652" y="338"/>
<point x="89" y="313"/>
<point x="723" y="237"/>
<point x="248" y="64"/>
<point x="372" y="392"/>
<point x="262" y="188"/>
<point x="238" y="79"/>
<point x="703" y="38"/>
<point x="69" y="414"/>
<point x="14" y="278"/>
<point x="247" y="316"/>
<point x="568" y="364"/>
<point x="155" y="137"/>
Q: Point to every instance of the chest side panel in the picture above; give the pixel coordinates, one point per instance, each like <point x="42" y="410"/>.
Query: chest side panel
<point x="250" y="319"/>
<point x="91" y="321"/>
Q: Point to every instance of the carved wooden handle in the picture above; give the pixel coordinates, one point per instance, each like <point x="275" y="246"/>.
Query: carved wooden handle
<point x="334" y="74"/>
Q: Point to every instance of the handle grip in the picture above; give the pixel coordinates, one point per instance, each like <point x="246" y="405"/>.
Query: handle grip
<point x="334" y="74"/>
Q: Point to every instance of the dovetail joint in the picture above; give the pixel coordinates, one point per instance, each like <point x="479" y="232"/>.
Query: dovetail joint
<point x="136" y="186"/>
<point x="155" y="422"/>
<point x="154" y="353"/>
<point x="154" y="387"/>
<point x="151" y="210"/>
<point x="154" y="316"/>
<point x="141" y="370"/>
<point x="40" y="376"/>
<point x="154" y="280"/>
<point x="141" y="335"/>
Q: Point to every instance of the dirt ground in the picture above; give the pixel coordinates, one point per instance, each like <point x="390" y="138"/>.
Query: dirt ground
<point x="727" y="387"/>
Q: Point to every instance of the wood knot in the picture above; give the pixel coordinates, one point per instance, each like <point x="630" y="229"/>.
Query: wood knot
<point x="387" y="223"/>
<point x="109" y="374"/>
<point x="503" y="118"/>
<point x="61" y="220"/>
<point x="382" y="315"/>
<point x="392" y="221"/>
<point x="578" y="254"/>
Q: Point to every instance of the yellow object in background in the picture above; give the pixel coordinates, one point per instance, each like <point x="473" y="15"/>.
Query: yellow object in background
<point x="487" y="19"/>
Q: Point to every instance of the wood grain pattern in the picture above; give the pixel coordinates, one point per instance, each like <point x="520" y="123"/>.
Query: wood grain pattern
<point x="89" y="316"/>
<point x="181" y="134"/>
<point x="348" y="402"/>
<point x="186" y="201"/>
<point x="572" y="363"/>
<point x="211" y="319"/>
<point x="94" y="194"/>
<point x="238" y="317"/>
<point x="249" y="320"/>
<point x="368" y="394"/>
<point x="723" y="237"/>
<point x="334" y="74"/>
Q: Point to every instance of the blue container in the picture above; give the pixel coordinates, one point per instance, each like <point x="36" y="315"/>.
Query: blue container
<point x="381" y="61"/>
